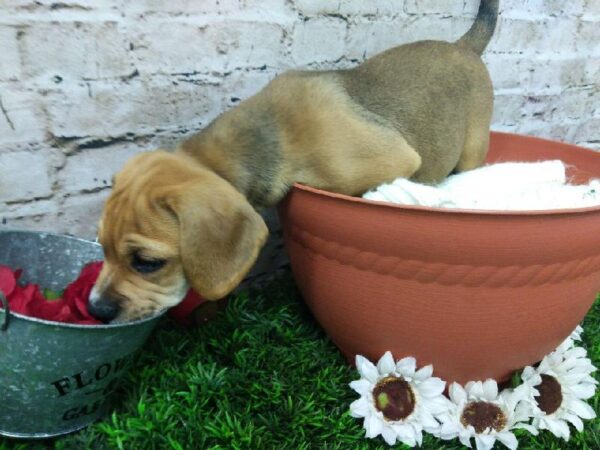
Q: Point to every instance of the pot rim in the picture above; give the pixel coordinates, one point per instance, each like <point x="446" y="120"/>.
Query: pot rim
<point x="460" y="211"/>
<point x="66" y="324"/>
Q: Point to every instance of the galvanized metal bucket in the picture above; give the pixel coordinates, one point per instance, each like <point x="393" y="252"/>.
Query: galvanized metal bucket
<point x="56" y="378"/>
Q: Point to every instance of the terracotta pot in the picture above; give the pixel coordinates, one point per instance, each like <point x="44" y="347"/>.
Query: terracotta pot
<point x="477" y="294"/>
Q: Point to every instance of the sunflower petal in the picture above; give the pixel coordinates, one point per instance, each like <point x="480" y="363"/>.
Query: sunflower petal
<point x="465" y="439"/>
<point x="525" y="426"/>
<point x="439" y="405"/>
<point x="490" y="390"/>
<point x="362" y="386"/>
<point x="484" y="441"/>
<point x="475" y="389"/>
<point x="575" y="352"/>
<point x="581" y="408"/>
<point x="406" y="434"/>
<point x="508" y="439"/>
<point x="373" y="425"/>
<point x="448" y="431"/>
<point x="407" y="366"/>
<point x="563" y="428"/>
<point x="572" y="378"/>
<point x="389" y="435"/>
<point x="424" y="373"/>
<point x="457" y="393"/>
<point x="428" y="421"/>
<point x="366" y="369"/>
<point x="574" y="419"/>
<point x="386" y="364"/>
<point x="530" y="373"/>
<point x="432" y="387"/>
<point x="360" y="408"/>
<point x="582" y="390"/>
<point x="555" y="426"/>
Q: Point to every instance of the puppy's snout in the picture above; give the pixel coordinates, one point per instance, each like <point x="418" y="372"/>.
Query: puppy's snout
<point x="103" y="308"/>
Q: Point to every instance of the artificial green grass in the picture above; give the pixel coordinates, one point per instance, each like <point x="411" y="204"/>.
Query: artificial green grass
<point x="261" y="376"/>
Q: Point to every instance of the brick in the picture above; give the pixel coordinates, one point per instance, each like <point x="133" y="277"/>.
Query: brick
<point x="242" y="85"/>
<point x="447" y="7"/>
<point x="21" y="118"/>
<point x="92" y="169"/>
<point x="472" y="6"/>
<point x="592" y="71"/>
<point x="10" y="62"/>
<point x="535" y="74"/>
<point x="218" y="47"/>
<point x="139" y="107"/>
<point x="447" y="29"/>
<point x="508" y="71"/>
<point x="10" y="212"/>
<point x="269" y="8"/>
<point x="541" y="8"/>
<point x="554" y="36"/>
<point x="592" y="10"/>
<point x="75" y="216"/>
<point x="76" y="50"/>
<point x="63" y="5"/>
<point x="554" y="74"/>
<point x="588" y="38"/>
<point x="24" y="176"/>
<point x="79" y="215"/>
<point x="507" y="110"/>
<point x="350" y="7"/>
<point x="537" y="107"/>
<point x="366" y="39"/>
<point x="575" y="104"/>
<point x="318" y="40"/>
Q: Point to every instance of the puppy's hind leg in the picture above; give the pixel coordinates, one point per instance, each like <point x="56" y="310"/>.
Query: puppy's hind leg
<point x="475" y="148"/>
<point x="477" y="130"/>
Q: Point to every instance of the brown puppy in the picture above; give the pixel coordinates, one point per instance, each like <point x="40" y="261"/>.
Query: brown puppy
<point x="420" y="110"/>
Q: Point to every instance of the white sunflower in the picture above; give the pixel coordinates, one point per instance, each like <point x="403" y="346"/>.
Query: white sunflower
<point x="396" y="400"/>
<point x="479" y="412"/>
<point x="569" y="342"/>
<point x="557" y="389"/>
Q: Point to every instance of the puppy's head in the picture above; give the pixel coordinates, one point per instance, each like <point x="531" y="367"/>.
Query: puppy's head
<point x="170" y="224"/>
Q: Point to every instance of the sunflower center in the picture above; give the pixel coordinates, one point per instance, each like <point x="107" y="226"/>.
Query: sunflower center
<point x="550" y="397"/>
<point x="483" y="415"/>
<point x="394" y="398"/>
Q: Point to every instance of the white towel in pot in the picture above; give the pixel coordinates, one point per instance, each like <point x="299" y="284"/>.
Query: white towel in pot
<point x="503" y="186"/>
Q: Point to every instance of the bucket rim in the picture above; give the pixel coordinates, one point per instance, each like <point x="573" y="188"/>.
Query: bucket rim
<point x="66" y="324"/>
<point x="36" y="436"/>
<point x="81" y="326"/>
<point x="49" y="233"/>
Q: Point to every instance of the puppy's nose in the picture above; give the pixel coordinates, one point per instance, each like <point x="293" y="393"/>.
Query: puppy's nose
<point x="103" y="308"/>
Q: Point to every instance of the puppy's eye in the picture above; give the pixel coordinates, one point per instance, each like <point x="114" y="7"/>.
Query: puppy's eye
<point x="145" y="265"/>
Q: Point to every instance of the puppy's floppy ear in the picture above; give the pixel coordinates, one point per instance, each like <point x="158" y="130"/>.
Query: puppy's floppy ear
<point x="220" y="234"/>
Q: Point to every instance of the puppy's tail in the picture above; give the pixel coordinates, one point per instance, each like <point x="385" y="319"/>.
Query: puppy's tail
<point x="482" y="30"/>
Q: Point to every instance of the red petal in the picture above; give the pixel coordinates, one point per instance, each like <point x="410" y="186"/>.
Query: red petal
<point x="8" y="281"/>
<point x="77" y="294"/>
<point x="21" y="299"/>
<point x="30" y="301"/>
<point x="182" y="313"/>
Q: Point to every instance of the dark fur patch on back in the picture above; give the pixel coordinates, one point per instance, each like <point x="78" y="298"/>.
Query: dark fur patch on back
<point x="261" y="158"/>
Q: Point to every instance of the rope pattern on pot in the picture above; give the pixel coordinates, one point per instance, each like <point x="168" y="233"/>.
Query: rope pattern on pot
<point x="446" y="274"/>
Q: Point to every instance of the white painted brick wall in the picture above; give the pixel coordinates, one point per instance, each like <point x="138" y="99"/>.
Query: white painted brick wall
<point x="84" y="84"/>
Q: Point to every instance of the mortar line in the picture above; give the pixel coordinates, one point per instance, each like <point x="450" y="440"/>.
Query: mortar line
<point x="6" y="115"/>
